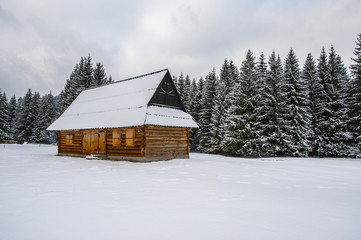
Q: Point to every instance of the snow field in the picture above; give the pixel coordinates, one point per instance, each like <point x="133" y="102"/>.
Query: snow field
<point x="44" y="196"/>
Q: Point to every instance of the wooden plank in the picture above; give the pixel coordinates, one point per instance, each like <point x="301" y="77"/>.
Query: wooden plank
<point x="165" y="135"/>
<point x="165" y="138"/>
<point x="180" y="142"/>
<point x="161" y="127"/>
<point x="86" y="142"/>
<point x="124" y="151"/>
<point x="154" y="147"/>
<point x="67" y="144"/>
<point x="150" y="154"/>
<point x="102" y="147"/>
<point x="164" y="131"/>
<point x="165" y="141"/>
<point x="125" y="154"/>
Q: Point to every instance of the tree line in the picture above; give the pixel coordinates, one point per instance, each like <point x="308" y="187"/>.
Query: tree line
<point x="274" y="108"/>
<point x="266" y="107"/>
<point x="25" y="119"/>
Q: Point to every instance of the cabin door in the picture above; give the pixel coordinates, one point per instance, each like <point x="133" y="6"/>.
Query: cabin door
<point x="94" y="141"/>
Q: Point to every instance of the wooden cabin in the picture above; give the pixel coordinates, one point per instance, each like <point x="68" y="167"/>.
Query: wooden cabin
<point x="136" y="119"/>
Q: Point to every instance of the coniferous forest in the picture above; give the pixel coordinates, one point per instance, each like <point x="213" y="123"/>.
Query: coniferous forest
<point x="25" y="119"/>
<point x="267" y="106"/>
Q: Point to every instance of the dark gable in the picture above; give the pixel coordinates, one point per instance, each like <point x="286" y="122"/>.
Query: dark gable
<point x="166" y="94"/>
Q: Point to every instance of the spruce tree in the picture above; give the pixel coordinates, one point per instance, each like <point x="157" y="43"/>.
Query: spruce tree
<point x="221" y="104"/>
<point x="187" y="98"/>
<point x="272" y="110"/>
<point x="297" y="118"/>
<point x="12" y="117"/>
<point x="208" y="95"/>
<point x="35" y="112"/>
<point x="86" y="74"/>
<point x="193" y="94"/>
<point x="337" y="108"/>
<point x="309" y="77"/>
<point x="226" y="76"/>
<point x="4" y="117"/>
<point x="321" y="105"/>
<point x="196" y="110"/>
<point x="217" y="118"/>
<point x="48" y="114"/>
<point x="261" y="71"/>
<point x="355" y="100"/>
<point x="181" y="86"/>
<point x="331" y="109"/>
<point x="25" y="121"/>
<point x="71" y="89"/>
<point x="234" y="76"/>
<point x="82" y="77"/>
<point x="241" y="135"/>
<point x="99" y="76"/>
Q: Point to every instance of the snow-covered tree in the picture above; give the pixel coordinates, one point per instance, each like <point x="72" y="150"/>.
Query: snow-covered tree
<point x="35" y="111"/>
<point x="187" y="97"/>
<point x="241" y="134"/>
<point x="221" y="104"/>
<point x="99" y="75"/>
<point x="309" y="77"/>
<point x="12" y="117"/>
<point x="208" y="94"/>
<point x="354" y="122"/>
<point x="234" y="76"/>
<point x="321" y="102"/>
<point x="331" y="109"/>
<point x="297" y="118"/>
<point x="82" y="77"/>
<point x="337" y="133"/>
<point x="196" y="110"/>
<point x="48" y="115"/>
<point x="86" y="73"/>
<point x="181" y="86"/>
<point x="272" y="111"/>
<point x="217" y="118"/>
<point x="4" y="117"/>
<point x="25" y="121"/>
<point x="71" y="89"/>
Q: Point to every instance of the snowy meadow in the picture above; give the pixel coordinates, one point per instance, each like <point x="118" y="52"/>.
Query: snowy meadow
<point x="44" y="196"/>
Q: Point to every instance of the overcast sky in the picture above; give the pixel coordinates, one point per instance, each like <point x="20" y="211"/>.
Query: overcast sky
<point x="41" y="41"/>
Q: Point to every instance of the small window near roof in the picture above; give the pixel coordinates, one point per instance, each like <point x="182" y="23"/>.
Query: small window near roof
<point x="69" y="139"/>
<point x="129" y="137"/>
<point x="116" y="137"/>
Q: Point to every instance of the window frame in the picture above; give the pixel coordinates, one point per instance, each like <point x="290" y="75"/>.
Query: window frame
<point x="69" y="139"/>
<point x="130" y="137"/>
<point x="116" y="141"/>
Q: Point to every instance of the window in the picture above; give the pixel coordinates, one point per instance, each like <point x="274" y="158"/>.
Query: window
<point x="129" y="137"/>
<point x="117" y="140"/>
<point x="69" y="139"/>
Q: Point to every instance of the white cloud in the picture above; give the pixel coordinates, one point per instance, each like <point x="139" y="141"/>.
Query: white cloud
<point x="42" y="41"/>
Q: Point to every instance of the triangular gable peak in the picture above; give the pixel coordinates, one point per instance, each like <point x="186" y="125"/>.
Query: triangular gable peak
<point x="166" y="94"/>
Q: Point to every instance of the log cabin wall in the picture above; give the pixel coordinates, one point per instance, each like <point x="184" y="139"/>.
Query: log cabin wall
<point x="125" y="142"/>
<point x="145" y="143"/>
<point x="166" y="141"/>
<point x="70" y="142"/>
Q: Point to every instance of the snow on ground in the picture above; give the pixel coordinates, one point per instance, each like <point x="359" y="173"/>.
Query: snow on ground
<point x="44" y="196"/>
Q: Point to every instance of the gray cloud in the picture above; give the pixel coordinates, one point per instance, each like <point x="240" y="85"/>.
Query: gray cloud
<point x="43" y="40"/>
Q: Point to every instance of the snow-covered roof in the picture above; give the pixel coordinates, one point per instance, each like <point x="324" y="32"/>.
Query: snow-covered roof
<point x="121" y="104"/>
